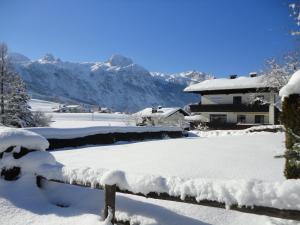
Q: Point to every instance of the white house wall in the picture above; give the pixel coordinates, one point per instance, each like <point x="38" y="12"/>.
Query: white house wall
<point x="228" y="98"/>
<point x="232" y="116"/>
<point x="176" y="119"/>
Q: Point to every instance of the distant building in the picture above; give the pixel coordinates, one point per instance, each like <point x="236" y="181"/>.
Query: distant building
<point x="104" y="110"/>
<point x="71" y="109"/>
<point x="162" y="116"/>
<point x="237" y="100"/>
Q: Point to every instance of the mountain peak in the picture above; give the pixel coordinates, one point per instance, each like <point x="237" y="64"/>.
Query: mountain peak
<point x="48" y="57"/>
<point x="120" y="60"/>
<point x="18" y="58"/>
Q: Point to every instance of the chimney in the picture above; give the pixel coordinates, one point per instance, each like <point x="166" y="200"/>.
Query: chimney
<point x="253" y="74"/>
<point x="233" y="76"/>
<point x="154" y="110"/>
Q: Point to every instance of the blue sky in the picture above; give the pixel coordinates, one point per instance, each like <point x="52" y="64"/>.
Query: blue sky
<point x="216" y="36"/>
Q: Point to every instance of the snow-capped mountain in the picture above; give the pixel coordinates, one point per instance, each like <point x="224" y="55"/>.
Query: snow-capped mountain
<point x="118" y="83"/>
<point x="184" y="78"/>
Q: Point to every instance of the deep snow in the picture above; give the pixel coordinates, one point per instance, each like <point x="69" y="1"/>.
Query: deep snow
<point x="22" y="203"/>
<point x="12" y="137"/>
<point x="227" y="157"/>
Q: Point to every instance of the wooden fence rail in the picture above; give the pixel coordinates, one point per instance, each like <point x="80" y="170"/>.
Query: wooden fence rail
<point x="110" y="195"/>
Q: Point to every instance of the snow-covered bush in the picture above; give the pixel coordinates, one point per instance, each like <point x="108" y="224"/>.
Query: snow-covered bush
<point x="290" y="118"/>
<point x="22" y="151"/>
<point x="40" y="119"/>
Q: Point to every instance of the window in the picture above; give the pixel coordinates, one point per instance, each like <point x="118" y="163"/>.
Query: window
<point x="241" y="118"/>
<point x="237" y="100"/>
<point x="218" y="118"/>
<point x="259" y="119"/>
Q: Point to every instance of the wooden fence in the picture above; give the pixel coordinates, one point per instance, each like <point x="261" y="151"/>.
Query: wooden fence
<point x="110" y="196"/>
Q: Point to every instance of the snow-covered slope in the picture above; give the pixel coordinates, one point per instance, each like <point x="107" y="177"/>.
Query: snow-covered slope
<point x="118" y="83"/>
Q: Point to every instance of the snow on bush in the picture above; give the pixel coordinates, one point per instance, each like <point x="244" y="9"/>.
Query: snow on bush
<point x="23" y="151"/>
<point x="68" y="133"/>
<point x="18" y="137"/>
<point x="248" y="131"/>
<point x="282" y="195"/>
<point x="31" y="162"/>
<point x="292" y="87"/>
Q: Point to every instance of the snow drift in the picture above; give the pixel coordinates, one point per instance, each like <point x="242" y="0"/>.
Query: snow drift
<point x="282" y="195"/>
<point x="18" y="137"/>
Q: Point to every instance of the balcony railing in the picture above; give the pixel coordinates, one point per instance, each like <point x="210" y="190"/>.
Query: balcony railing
<point x="229" y="108"/>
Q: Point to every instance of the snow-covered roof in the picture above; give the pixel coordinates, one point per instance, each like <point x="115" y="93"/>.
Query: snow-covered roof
<point x="228" y="84"/>
<point x="72" y="106"/>
<point x="19" y="137"/>
<point x="292" y="87"/>
<point x="161" y="112"/>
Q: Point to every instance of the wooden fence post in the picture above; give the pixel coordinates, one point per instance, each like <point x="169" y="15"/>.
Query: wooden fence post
<point x="110" y="201"/>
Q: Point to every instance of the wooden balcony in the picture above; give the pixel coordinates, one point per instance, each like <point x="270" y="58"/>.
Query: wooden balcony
<point x="230" y="108"/>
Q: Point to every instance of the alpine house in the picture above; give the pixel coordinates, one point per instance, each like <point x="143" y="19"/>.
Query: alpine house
<point x="235" y="100"/>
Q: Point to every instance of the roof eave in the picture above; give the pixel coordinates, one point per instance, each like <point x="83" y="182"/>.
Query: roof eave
<point x="231" y="91"/>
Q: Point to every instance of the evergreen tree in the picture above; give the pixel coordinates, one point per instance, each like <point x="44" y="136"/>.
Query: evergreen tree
<point x="3" y="75"/>
<point x="18" y="111"/>
<point x="14" y="108"/>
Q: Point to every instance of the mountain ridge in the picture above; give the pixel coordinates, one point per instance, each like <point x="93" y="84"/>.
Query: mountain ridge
<point x="117" y="83"/>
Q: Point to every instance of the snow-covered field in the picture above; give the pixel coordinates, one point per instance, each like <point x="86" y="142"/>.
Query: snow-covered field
<point x="75" y="120"/>
<point x="247" y="156"/>
<point x="229" y="157"/>
<point x="42" y="105"/>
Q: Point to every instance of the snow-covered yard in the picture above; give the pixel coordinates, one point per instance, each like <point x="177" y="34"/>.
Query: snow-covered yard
<point x="237" y="157"/>
<point x="230" y="157"/>
<point x="244" y="156"/>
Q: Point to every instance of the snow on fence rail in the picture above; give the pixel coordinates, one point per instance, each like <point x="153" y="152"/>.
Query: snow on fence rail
<point x="275" y="199"/>
<point x="73" y="137"/>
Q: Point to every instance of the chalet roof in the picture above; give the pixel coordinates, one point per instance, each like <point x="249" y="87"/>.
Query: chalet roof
<point x="229" y="84"/>
<point x="161" y="112"/>
<point x="71" y="106"/>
